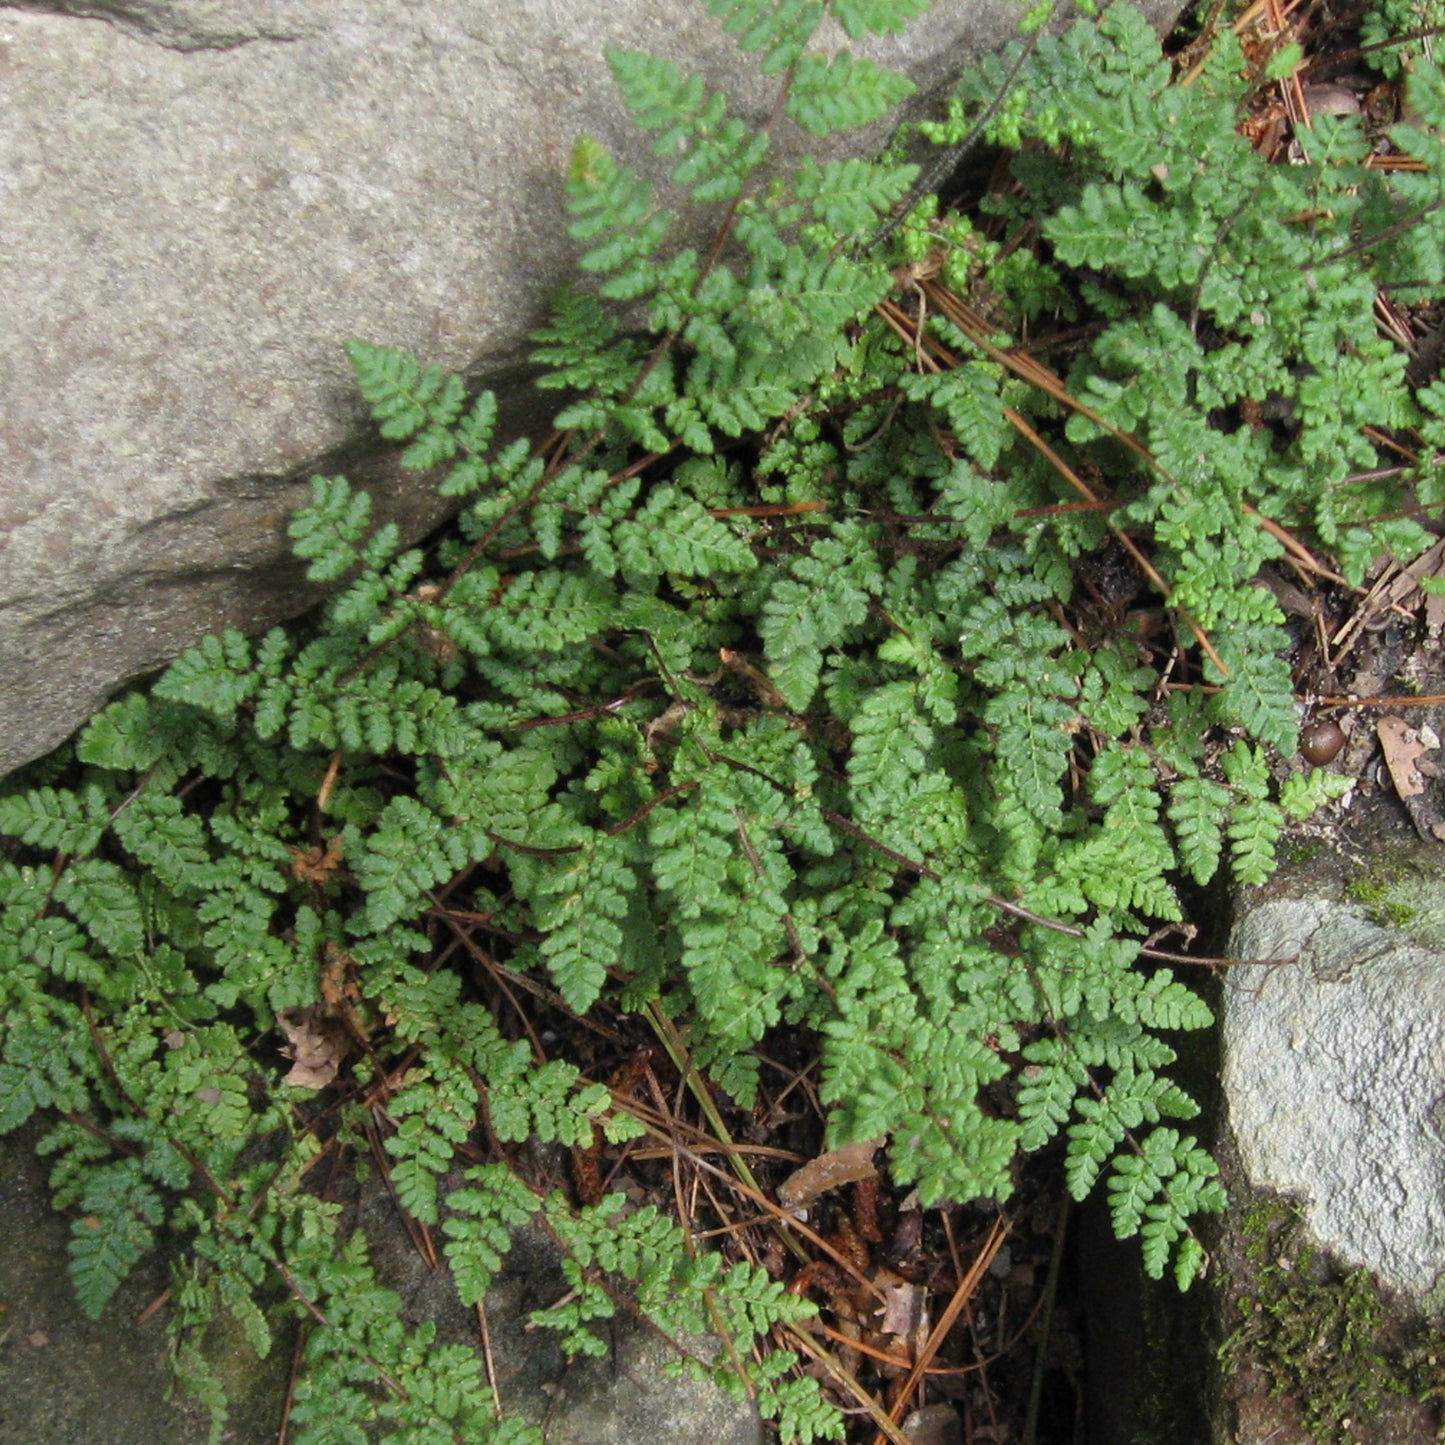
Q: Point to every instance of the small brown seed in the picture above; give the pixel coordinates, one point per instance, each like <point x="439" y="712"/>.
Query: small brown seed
<point x="1320" y="742"/>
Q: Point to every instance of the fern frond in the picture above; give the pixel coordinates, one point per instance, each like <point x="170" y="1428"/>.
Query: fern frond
<point x="119" y="1212"/>
<point x="889" y="17"/>
<point x="613" y="208"/>
<point x="51" y="818"/>
<point x="328" y="532"/>
<point x="778" y="28"/>
<point x="718" y="152"/>
<point x="842" y="92"/>
<point x="409" y="401"/>
<point x="811" y="607"/>
<point x="214" y="677"/>
<point x="579" y="905"/>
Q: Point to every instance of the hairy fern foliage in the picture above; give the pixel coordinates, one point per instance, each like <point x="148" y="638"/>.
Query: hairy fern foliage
<point x="771" y="702"/>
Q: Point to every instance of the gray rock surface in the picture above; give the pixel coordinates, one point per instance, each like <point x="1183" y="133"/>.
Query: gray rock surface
<point x="199" y="201"/>
<point x="1334" y="1065"/>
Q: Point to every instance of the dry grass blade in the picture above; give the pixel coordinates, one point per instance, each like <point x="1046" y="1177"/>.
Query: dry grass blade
<point x="887" y="1427"/>
<point x="789" y="1228"/>
<point x="940" y="1332"/>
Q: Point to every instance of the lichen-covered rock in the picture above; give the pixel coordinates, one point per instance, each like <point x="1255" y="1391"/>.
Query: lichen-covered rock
<point x="1334" y="1063"/>
<point x="1329" y="1263"/>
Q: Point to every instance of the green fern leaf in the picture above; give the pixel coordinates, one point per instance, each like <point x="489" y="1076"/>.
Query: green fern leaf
<point x="437" y="1113"/>
<point x="215" y="677"/>
<point x="891" y="741"/>
<point x="1091" y="1142"/>
<point x="413" y="850"/>
<point x="407" y="399"/>
<point x="850" y="197"/>
<point x="1259" y="694"/>
<point x="843" y="92"/>
<point x="104" y="899"/>
<point x="779" y="28"/>
<point x="549" y="610"/>
<point x="579" y="905"/>
<point x="718" y="152"/>
<point x="47" y="818"/>
<point x="888" y="17"/>
<point x="1047" y="1090"/>
<point x="673" y="533"/>
<point x="1304" y="794"/>
<point x="157" y="832"/>
<point x="1254" y="829"/>
<point x="480" y="1235"/>
<point x="329" y="531"/>
<point x="969" y="398"/>
<point x="128" y="736"/>
<point x="119" y="1212"/>
<point x="813" y="605"/>
<point x="614" y="208"/>
<point x="1197" y="809"/>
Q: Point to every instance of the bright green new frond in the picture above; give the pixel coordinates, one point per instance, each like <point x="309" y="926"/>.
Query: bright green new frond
<point x="1255" y="822"/>
<point x="1154" y="1192"/>
<point x="1303" y="794"/>
<point x="891" y="742"/>
<point x="1259" y="694"/>
<point x="1032" y="746"/>
<point x="662" y="99"/>
<point x="1163" y="1002"/>
<point x="798" y="1406"/>
<point x="550" y="609"/>
<point x="545" y="1103"/>
<point x="1048" y="1087"/>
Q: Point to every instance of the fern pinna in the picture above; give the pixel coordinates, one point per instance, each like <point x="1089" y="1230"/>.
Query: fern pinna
<point x="765" y="697"/>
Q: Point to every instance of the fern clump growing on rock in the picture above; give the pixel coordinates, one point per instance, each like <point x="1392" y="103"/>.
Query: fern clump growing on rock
<point x="771" y="693"/>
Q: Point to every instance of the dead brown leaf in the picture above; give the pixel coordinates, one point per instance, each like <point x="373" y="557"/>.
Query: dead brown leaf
<point x="1403" y="749"/>
<point x="317" y="865"/>
<point x="828" y="1171"/>
<point x="316" y="1043"/>
<point x="904" y="1308"/>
